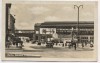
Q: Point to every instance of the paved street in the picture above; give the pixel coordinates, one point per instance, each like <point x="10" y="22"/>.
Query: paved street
<point x="55" y="52"/>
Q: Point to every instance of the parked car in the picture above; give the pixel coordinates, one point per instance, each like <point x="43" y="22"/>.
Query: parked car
<point x="49" y="44"/>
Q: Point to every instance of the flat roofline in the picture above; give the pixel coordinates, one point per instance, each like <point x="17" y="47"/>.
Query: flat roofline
<point x="24" y="30"/>
<point x="68" y="21"/>
<point x="64" y="22"/>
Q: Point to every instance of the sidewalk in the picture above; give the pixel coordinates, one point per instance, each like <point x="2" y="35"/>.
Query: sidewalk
<point x="40" y="48"/>
<point x="26" y="51"/>
<point x="13" y="48"/>
<point x="27" y="47"/>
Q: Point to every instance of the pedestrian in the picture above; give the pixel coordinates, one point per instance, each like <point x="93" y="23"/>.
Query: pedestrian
<point x="74" y="44"/>
<point x="85" y="43"/>
<point x="22" y="43"/>
<point x="69" y="45"/>
<point x="17" y="40"/>
<point x="7" y="44"/>
<point x="63" y="45"/>
<point x="16" y="44"/>
<point x="82" y="45"/>
<point x="91" y="44"/>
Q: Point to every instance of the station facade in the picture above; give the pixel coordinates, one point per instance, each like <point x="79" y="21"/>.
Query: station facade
<point x="65" y="31"/>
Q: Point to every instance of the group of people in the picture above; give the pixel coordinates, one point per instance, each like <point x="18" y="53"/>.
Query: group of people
<point x="73" y="44"/>
<point x="14" y="42"/>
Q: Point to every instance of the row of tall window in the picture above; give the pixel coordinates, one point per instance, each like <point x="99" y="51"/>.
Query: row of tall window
<point x="80" y="32"/>
<point x="84" y="37"/>
<point x="86" y="32"/>
<point x="66" y="29"/>
<point x="87" y="41"/>
<point x="87" y="38"/>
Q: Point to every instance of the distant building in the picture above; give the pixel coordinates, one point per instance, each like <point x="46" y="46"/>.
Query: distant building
<point x="10" y="23"/>
<point x="25" y="34"/>
<point x="65" y="31"/>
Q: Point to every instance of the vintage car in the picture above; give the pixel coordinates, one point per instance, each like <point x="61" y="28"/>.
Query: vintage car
<point x="49" y="44"/>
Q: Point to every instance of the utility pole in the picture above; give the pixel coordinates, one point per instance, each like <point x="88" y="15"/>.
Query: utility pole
<point x="78" y="9"/>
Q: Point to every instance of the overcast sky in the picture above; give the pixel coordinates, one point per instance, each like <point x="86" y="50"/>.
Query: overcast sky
<point x="28" y="14"/>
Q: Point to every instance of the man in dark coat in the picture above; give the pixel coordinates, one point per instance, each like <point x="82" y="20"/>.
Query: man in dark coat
<point x="74" y="44"/>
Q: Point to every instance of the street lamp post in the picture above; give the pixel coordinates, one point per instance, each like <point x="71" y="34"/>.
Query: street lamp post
<point x="78" y="7"/>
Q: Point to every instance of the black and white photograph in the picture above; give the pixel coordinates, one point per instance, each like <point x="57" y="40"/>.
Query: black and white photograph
<point x="50" y="31"/>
